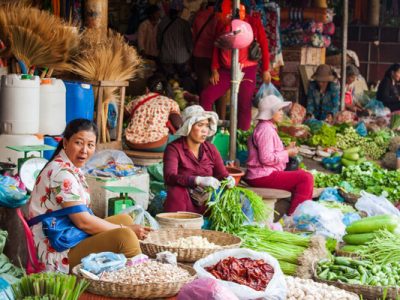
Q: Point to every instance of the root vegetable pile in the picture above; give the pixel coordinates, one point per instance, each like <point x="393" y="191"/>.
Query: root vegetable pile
<point x="147" y="272"/>
<point x="193" y="242"/>
<point x="255" y="274"/>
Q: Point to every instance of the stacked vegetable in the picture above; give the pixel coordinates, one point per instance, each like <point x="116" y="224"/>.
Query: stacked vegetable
<point x="294" y="252"/>
<point x="366" y="176"/>
<point x="366" y="230"/>
<point x="362" y="272"/>
<point x="353" y="156"/>
<point x="374" y="145"/>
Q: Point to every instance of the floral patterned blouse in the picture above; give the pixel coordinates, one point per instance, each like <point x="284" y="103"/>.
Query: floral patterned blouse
<point x="60" y="181"/>
<point x="149" y="120"/>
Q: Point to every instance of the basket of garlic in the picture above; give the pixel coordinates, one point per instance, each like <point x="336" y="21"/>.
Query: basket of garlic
<point x="190" y="245"/>
<point x="147" y="280"/>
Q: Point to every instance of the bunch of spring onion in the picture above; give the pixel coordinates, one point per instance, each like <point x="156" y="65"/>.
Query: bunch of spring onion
<point x="227" y="207"/>
<point x="291" y="250"/>
<point x="51" y="286"/>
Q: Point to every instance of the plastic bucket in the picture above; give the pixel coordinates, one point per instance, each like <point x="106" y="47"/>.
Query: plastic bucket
<point x="51" y="141"/>
<point x="52" y="106"/>
<point x="79" y="101"/>
<point x="19" y="104"/>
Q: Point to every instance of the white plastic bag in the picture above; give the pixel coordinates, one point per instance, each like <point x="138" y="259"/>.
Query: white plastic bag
<point x="141" y="217"/>
<point x="313" y="216"/>
<point x="266" y="89"/>
<point x="376" y="205"/>
<point x="276" y="288"/>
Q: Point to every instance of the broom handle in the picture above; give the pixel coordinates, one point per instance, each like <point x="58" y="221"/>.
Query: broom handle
<point x="44" y="72"/>
<point x="50" y="72"/>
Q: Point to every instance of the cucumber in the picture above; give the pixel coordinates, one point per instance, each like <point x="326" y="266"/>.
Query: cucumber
<point x="347" y="163"/>
<point x="351" y="156"/>
<point x="359" y="238"/>
<point x="351" y="248"/>
<point x="375" y="223"/>
<point x="352" y="150"/>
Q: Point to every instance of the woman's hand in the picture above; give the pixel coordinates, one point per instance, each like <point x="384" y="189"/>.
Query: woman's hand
<point x="214" y="77"/>
<point x="207" y="182"/>
<point x="267" y="77"/>
<point x="292" y="149"/>
<point x="231" y="182"/>
<point x="140" y="231"/>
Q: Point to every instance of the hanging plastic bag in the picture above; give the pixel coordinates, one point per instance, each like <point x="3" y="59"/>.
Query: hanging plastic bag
<point x="11" y="195"/>
<point x="266" y="89"/>
<point x="205" y="288"/>
<point x="315" y="217"/>
<point x="141" y="217"/>
<point x="376" y="205"/>
<point x="275" y="290"/>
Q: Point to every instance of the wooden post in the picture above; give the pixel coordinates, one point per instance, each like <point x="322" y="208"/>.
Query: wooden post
<point x="96" y="15"/>
<point x="373" y="12"/>
<point x="344" y="51"/>
<point x="234" y="91"/>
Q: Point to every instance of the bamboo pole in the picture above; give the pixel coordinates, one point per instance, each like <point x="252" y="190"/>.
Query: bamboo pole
<point x="344" y="51"/>
<point x="234" y="90"/>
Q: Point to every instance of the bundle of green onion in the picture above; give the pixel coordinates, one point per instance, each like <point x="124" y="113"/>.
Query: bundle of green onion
<point x="49" y="286"/>
<point x="286" y="247"/>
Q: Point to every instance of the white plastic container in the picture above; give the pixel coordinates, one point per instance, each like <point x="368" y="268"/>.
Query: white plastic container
<point x="52" y="106"/>
<point x="8" y="155"/>
<point x="19" y="104"/>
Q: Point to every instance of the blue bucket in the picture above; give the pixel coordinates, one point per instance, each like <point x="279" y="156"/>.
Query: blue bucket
<point x="79" y="101"/>
<point x="51" y="141"/>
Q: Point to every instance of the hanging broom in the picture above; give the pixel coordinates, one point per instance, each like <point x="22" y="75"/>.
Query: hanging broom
<point x="106" y="59"/>
<point x="36" y="37"/>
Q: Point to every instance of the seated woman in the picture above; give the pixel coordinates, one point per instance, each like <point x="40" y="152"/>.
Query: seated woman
<point x="389" y="88"/>
<point x="154" y="117"/>
<point x="61" y="184"/>
<point x="323" y="97"/>
<point x="268" y="157"/>
<point x="191" y="161"/>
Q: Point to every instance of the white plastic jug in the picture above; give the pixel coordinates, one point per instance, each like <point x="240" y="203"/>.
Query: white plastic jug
<point x="52" y="106"/>
<point x="19" y="104"/>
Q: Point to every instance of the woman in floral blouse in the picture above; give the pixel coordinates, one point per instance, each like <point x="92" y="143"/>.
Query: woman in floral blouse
<point x="61" y="184"/>
<point x="154" y="117"/>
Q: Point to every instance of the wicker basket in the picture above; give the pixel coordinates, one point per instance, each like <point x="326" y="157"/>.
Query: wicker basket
<point x="142" y="291"/>
<point x="368" y="292"/>
<point x="153" y="244"/>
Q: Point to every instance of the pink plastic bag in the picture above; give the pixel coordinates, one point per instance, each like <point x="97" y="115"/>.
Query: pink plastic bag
<point x="205" y="289"/>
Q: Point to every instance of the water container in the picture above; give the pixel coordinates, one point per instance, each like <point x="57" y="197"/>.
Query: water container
<point x="51" y="141"/>
<point x="52" y="106"/>
<point x="80" y="101"/>
<point x="19" y="104"/>
<point x="17" y="140"/>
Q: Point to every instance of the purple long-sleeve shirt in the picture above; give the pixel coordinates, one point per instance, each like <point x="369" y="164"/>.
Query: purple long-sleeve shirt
<point x="181" y="168"/>
<point x="266" y="151"/>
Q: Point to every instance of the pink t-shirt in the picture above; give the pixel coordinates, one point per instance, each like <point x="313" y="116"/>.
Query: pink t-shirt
<point x="266" y="151"/>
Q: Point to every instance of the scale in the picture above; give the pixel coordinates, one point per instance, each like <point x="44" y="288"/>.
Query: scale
<point x="118" y="204"/>
<point x="30" y="167"/>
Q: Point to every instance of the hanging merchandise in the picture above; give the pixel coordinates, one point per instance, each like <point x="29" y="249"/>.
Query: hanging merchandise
<point x="240" y="36"/>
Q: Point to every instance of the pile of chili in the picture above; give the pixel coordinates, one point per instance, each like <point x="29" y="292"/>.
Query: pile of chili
<point x="255" y="274"/>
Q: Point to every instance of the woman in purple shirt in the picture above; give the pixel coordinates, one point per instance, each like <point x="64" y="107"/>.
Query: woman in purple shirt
<point x="191" y="161"/>
<point x="268" y="157"/>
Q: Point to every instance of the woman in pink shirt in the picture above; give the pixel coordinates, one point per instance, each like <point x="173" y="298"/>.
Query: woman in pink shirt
<point x="268" y="157"/>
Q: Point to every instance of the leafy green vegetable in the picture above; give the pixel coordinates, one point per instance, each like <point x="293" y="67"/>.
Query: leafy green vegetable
<point x="325" y="136"/>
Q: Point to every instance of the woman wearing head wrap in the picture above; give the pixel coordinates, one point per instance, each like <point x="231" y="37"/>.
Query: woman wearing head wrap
<point x="323" y="97"/>
<point x="268" y="157"/>
<point x="191" y="161"/>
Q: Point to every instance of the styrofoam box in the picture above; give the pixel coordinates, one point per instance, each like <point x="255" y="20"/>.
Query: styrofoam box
<point x="99" y="196"/>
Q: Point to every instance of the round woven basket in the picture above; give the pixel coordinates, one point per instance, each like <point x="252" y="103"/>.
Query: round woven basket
<point x="156" y="241"/>
<point x="142" y="291"/>
<point x="368" y="292"/>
